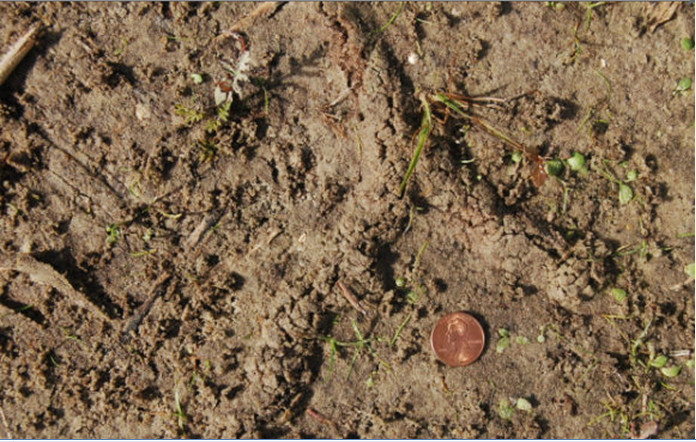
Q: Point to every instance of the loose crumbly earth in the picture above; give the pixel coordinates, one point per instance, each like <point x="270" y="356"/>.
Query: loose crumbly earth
<point x="164" y="280"/>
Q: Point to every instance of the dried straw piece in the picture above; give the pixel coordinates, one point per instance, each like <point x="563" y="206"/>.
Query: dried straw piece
<point x="17" y="52"/>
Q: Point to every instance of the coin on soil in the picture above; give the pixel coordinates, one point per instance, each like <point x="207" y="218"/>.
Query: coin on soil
<point x="457" y="339"/>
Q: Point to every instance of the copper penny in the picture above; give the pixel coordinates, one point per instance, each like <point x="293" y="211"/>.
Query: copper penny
<point x="457" y="339"/>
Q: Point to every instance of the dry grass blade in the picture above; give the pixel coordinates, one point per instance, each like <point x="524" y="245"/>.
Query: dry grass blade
<point x="459" y="105"/>
<point x="134" y="321"/>
<point x="17" y="52"/>
<point x="262" y="9"/>
<point x="350" y="297"/>
<point x="657" y="13"/>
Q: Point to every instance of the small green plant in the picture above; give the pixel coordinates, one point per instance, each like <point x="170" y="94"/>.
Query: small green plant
<point x="411" y="297"/>
<point x="358" y="346"/>
<point x="197" y="78"/>
<point x="506" y="409"/>
<point x="541" y="338"/>
<point x="124" y="45"/>
<point x="516" y="157"/>
<point x="625" y="193"/>
<point x="687" y="43"/>
<point x="332" y="352"/>
<point x="391" y="19"/>
<point x="658" y="362"/>
<point x="399" y="329"/>
<point x="458" y="106"/>
<point x="412" y="288"/>
<point x="523" y="404"/>
<point x="208" y="150"/>
<point x="554" y="167"/>
<point x="71" y="337"/>
<point x="113" y="233"/>
<point x="576" y="163"/>
<point x="178" y="412"/>
<point x="671" y="371"/>
<point x="682" y="86"/>
<point x="521" y="340"/>
<point x="618" y="294"/>
<point x="221" y="117"/>
<point x="588" y="15"/>
<point x="503" y="340"/>
<point x="423" y="132"/>
<point x="190" y="115"/>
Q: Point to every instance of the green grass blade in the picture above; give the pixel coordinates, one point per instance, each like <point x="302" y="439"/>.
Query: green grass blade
<point x="391" y="19"/>
<point x="423" y="133"/>
<point x="398" y="330"/>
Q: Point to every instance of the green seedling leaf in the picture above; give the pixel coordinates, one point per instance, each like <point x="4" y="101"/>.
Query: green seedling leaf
<point x="683" y="85"/>
<point x="391" y="19"/>
<point x="400" y="282"/>
<point x="689" y="363"/>
<point x="147" y="236"/>
<point x="672" y="371"/>
<point x="690" y="269"/>
<point x="197" y="78"/>
<point x="503" y="333"/>
<point x="124" y="44"/>
<point x="505" y="410"/>
<point x="411" y="297"/>
<point x="398" y="330"/>
<point x="659" y="361"/>
<point x="423" y="133"/>
<point x="576" y="162"/>
<point x="687" y="43"/>
<point x="554" y="167"/>
<point x="370" y="382"/>
<point x="625" y="194"/>
<point x="631" y="176"/>
<point x="112" y="233"/>
<point x="191" y="115"/>
<point x="618" y="294"/>
<point x="223" y="111"/>
<point x="502" y="344"/>
<point x="516" y="157"/>
<point x="521" y="340"/>
<point x="523" y="404"/>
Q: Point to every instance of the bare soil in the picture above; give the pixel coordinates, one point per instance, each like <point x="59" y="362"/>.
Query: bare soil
<point x="169" y="270"/>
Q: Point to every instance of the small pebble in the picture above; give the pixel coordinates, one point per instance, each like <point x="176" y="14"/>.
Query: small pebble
<point x="142" y="112"/>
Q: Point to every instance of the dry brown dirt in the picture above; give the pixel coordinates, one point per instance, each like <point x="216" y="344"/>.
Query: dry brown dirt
<point x="170" y="278"/>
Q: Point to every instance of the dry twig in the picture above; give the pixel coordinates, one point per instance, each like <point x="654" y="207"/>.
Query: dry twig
<point x="137" y="318"/>
<point x="348" y="294"/>
<point x="17" y="52"/>
<point x="262" y="9"/>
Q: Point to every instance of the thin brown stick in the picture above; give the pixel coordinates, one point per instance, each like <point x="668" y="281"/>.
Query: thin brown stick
<point x="206" y="223"/>
<point x="4" y="422"/>
<point x="16" y="53"/>
<point x="348" y="294"/>
<point x="137" y="318"/>
<point x="246" y="22"/>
